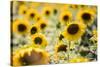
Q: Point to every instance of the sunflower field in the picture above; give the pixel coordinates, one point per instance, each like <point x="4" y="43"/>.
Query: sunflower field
<point x="52" y="33"/>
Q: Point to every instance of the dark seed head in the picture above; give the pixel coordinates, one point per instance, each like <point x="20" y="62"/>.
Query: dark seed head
<point x="32" y="15"/>
<point x="38" y="40"/>
<point x="21" y="27"/>
<point x="47" y="13"/>
<point x="86" y="16"/>
<point x="33" y="30"/>
<point x="62" y="48"/>
<point x="43" y="26"/>
<point x="73" y="29"/>
<point x="65" y="18"/>
<point x="55" y="11"/>
<point x="24" y="12"/>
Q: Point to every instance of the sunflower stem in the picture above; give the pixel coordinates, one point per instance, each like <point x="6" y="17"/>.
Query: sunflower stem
<point x="69" y="42"/>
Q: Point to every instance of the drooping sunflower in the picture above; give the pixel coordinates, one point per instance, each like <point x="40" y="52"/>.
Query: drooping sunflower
<point x="28" y="55"/>
<point x="47" y="11"/>
<point x="86" y="15"/>
<point x="20" y="26"/>
<point x="34" y="29"/>
<point x="39" y="40"/>
<point x="22" y="9"/>
<point x="31" y="14"/>
<point x="61" y="36"/>
<point x="78" y="59"/>
<point x="60" y="47"/>
<point x="65" y="17"/>
<point x="74" y="31"/>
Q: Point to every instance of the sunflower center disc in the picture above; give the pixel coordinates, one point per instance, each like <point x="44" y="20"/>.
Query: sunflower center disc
<point x="65" y="18"/>
<point x="47" y="12"/>
<point x="62" y="48"/>
<point x="43" y="26"/>
<point x="32" y="15"/>
<point x="31" y="59"/>
<point x="33" y="30"/>
<point x="55" y="11"/>
<point x="86" y="16"/>
<point x="21" y="27"/>
<point x="73" y="29"/>
<point x="38" y="40"/>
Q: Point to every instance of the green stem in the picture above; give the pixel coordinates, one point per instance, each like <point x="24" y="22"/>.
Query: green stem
<point x="69" y="50"/>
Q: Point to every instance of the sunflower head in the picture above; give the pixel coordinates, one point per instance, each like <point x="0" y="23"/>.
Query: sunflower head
<point x="39" y="39"/>
<point x="74" y="31"/>
<point x="20" y="26"/>
<point x="47" y="12"/>
<point x="32" y="14"/>
<point x="60" y="47"/>
<point x="34" y="29"/>
<point x="42" y="24"/>
<point x="22" y="9"/>
<point x="86" y="15"/>
<point x="28" y="55"/>
<point x="65" y="17"/>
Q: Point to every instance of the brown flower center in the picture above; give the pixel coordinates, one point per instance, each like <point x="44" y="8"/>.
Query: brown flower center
<point x="62" y="48"/>
<point x="86" y="16"/>
<point x="32" y="15"/>
<point x="43" y="26"/>
<point x="73" y="29"/>
<point x="47" y="13"/>
<point x="33" y="30"/>
<point x="65" y="18"/>
<point x="21" y="27"/>
<point x="38" y="40"/>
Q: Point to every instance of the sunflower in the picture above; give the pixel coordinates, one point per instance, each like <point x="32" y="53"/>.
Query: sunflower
<point x="22" y="9"/>
<point x="74" y="31"/>
<point x="60" y="47"/>
<point x="31" y="14"/>
<point x="47" y="11"/>
<point x="34" y="29"/>
<point x="86" y="15"/>
<point x="42" y="24"/>
<point x="39" y="40"/>
<point x="78" y="59"/>
<point x="65" y="16"/>
<point x="20" y="26"/>
<point x="28" y="55"/>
